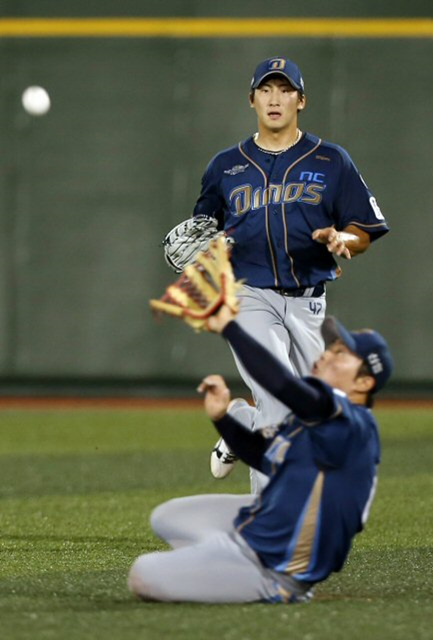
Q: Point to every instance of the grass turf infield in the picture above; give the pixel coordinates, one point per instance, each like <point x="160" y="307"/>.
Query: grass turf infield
<point x="76" y="490"/>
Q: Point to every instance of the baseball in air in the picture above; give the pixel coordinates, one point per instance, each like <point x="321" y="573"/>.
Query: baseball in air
<point x="36" y="101"/>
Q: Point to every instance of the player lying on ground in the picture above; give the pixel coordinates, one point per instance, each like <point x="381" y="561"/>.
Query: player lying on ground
<point x="321" y="464"/>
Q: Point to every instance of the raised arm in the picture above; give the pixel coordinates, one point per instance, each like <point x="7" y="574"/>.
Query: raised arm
<point x="308" y="401"/>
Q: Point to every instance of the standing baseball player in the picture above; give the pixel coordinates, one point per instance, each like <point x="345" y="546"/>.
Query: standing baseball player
<point x="290" y="202"/>
<point x="321" y="462"/>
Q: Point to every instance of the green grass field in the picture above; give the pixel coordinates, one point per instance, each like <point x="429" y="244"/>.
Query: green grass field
<point x="77" y="487"/>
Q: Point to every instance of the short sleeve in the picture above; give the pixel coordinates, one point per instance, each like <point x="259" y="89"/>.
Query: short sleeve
<point x="210" y="201"/>
<point x="355" y="204"/>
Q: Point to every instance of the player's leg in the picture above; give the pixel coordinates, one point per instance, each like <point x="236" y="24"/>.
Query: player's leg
<point x="303" y="319"/>
<point x="301" y="333"/>
<point x="221" y="569"/>
<point x="185" y="521"/>
<point x="262" y="316"/>
<point x="290" y="328"/>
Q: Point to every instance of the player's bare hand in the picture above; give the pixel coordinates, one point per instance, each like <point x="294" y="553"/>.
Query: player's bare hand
<point x="334" y="240"/>
<point x="217" y="396"/>
<point x="220" y="320"/>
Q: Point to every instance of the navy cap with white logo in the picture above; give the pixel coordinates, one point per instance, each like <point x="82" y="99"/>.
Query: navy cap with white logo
<point x="367" y="344"/>
<point x="284" y="67"/>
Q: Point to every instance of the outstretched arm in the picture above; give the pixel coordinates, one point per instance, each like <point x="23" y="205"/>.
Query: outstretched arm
<point x="308" y="401"/>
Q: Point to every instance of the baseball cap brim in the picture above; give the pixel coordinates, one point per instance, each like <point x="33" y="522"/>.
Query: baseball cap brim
<point x="275" y="72"/>
<point x="333" y="330"/>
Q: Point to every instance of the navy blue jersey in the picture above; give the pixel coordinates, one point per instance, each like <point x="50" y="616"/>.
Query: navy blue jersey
<point x="270" y="205"/>
<point x="322" y="482"/>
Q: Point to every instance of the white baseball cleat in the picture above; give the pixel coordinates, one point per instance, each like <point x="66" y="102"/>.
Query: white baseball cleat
<point x="222" y="458"/>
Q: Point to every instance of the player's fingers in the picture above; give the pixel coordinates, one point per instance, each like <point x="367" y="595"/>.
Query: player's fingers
<point x="321" y="235"/>
<point x="210" y="382"/>
<point x="334" y="246"/>
<point x="347" y="253"/>
<point x="203" y="386"/>
<point x="340" y="249"/>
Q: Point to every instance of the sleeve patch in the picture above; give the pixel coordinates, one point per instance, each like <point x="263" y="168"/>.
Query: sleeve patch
<point x="377" y="212"/>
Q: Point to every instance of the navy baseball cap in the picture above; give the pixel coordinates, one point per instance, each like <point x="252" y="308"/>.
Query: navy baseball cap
<point x="284" y="67"/>
<point x="367" y="344"/>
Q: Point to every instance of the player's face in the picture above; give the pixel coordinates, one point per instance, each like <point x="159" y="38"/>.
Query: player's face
<point x="276" y="104"/>
<point x="339" y="367"/>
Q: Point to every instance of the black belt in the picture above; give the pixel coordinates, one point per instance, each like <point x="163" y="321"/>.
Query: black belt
<point x="303" y="292"/>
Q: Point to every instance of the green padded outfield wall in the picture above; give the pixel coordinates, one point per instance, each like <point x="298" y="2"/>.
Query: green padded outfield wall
<point x="88" y="190"/>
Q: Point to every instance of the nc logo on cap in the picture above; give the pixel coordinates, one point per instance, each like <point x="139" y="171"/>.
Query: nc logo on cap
<point x="277" y="64"/>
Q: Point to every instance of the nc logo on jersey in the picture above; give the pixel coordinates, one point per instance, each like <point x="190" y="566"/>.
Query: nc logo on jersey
<point x="311" y="176"/>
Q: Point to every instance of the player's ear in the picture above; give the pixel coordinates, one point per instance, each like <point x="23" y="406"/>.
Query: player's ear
<point x="251" y="98"/>
<point x="365" y="383"/>
<point x="302" y="101"/>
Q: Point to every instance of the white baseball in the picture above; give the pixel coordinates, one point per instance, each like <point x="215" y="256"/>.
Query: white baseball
<point x="36" y="101"/>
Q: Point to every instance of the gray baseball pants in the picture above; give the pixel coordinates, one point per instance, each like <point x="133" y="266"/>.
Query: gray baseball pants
<point x="290" y="329"/>
<point x="209" y="561"/>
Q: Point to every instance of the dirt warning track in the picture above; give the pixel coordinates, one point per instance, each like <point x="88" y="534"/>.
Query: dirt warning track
<point x="48" y="403"/>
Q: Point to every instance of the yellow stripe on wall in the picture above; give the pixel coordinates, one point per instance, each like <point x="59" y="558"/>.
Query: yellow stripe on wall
<point x="216" y="27"/>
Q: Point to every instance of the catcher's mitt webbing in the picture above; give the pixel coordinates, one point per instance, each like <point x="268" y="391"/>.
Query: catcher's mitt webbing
<point x="187" y="238"/>
<point x="203" y="288"/>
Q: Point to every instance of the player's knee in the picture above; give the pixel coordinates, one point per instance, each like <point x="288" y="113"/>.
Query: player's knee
<point x="158" y="519"/>
<point x="140" y="578"/>
<point x="135" y="582"/>
<point x="161" y="516"/>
